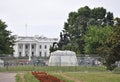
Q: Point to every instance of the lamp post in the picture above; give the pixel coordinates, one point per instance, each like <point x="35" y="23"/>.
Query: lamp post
<point x="29" y="58"/>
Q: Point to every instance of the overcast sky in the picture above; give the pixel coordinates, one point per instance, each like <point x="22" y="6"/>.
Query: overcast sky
<point x="46" y="17"/>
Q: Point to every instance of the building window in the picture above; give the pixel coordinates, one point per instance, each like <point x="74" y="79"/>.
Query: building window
<point x="40" y="46"/>
<point x="26" y="53"/>
<point x="20" y="47"/>
<point x="40" y="54"/>
<point x="45" y="46"/>
<point x="26" y="46"/>
<point x="32" y="53"/>
<point x="50" y="46"/>
<point x="20" y="54"/>
<point x="32" y="46"/>
<point x="45" y="54"/>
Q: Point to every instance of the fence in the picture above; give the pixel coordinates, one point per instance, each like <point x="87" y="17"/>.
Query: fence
<point x="37" y="61"/>
<point x="11" y="61"/>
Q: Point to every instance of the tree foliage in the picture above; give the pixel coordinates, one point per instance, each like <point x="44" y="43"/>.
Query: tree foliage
<point x="93" y="31"/>
<point x="78" y="23"/>
<point x="95" y="37"/>
<point x="110" y="50"/>
<point x="6" y="40"/>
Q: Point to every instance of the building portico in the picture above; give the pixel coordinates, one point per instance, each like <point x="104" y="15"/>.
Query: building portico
<point x="33" y="46"/>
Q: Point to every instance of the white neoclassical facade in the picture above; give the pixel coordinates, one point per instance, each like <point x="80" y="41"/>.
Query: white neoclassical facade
<point x="33" y="46"/>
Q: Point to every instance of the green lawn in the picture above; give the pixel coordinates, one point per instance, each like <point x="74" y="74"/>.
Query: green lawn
<point x="94" y="76"/>
<point x="79" y="76"/>
<point x="83" y="74"/>
<point x="26" y="77"/>
<point x="58" y="75"/>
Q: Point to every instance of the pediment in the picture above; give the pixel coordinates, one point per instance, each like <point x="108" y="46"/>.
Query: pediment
<point x="27" y="40"/>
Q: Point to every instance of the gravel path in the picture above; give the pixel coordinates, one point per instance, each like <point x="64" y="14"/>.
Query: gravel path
<point x="7" y="77"/>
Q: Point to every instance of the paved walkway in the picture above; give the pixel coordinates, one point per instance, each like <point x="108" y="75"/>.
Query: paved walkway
<point x="7" y="77"/>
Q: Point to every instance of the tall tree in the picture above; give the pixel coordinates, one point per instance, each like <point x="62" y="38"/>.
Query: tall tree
<point x="95" y="37"/>
<point x="78" y="23"/>
<point x="110" y="50"/>
<point x="6" y="40"/>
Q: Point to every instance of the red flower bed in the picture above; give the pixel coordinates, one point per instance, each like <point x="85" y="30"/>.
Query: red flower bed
<point x="44" y="77"/>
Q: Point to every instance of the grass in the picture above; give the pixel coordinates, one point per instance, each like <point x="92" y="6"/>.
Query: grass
<point x="26" y="77"/>
<point x="94" y="76"/>
<point x="60" y="77"/>
<point x="82" y="73"/>
<point x="80" y="76"/>
<point x="53" y="68"/>
<point x="18" y="78"/>
<point x="30" y="78"/>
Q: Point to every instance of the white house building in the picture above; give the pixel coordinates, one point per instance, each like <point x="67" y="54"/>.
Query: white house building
<point x="33" y="46"/>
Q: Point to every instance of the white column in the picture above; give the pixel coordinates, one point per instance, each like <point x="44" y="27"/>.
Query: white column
<point x="23" y="54"/>
<point x="16" y="50"/>
<point x="42" y="50"/>
<point x="37" y="50"/>
<point x="30" y="54"/>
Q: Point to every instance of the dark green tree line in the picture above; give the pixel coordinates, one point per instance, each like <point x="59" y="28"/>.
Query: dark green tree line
<point x="6" y="40"/>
